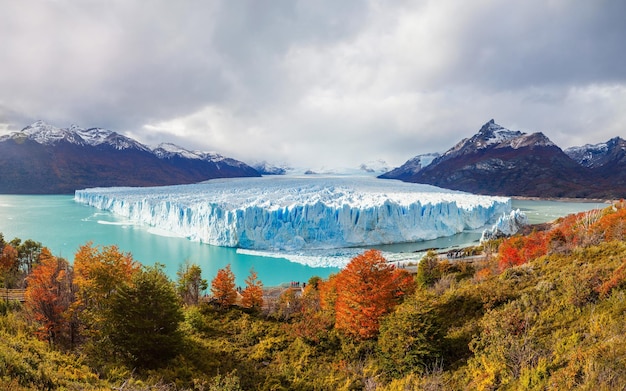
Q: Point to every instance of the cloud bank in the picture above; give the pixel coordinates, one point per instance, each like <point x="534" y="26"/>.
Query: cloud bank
<point x="318" y="83"/>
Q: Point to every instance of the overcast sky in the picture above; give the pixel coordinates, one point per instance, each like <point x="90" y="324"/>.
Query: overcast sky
<point x="316" y="82"/>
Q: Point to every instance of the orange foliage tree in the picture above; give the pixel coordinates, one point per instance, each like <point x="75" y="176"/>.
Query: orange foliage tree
<point x="98" y="273"/>
<point x="223" y="287"/>
<point x="49" y="294"/>
<point x="313" y="323"/>
<point x="612" y="225"/>
<point x="252" y="295"/>
<point x="8" y="263"/>
<point x="367" y="289"/>
<point x="517" y="250"/>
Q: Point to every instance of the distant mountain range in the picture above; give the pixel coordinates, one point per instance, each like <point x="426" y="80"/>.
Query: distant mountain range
<point x="43" y="159"/>
<point x="498" y="161"/>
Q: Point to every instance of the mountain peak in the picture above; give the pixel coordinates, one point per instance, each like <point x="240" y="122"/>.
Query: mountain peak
<point x="492" y="133"/>
<point x="44" y="133"/>
<point x="598" y="155"/>
<point x="169" y="150"/>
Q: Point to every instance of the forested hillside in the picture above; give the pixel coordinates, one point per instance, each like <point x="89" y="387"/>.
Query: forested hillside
<point x="537" y="311"/>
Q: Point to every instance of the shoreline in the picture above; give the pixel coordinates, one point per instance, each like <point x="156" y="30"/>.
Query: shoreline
<point x="565" y="199"/>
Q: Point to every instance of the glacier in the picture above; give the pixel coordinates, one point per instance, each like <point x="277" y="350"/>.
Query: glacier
<point x="506" y="225"/>
<point x="300" y="213"/>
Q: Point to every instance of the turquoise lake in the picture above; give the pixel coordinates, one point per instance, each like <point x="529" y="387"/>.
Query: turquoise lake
<point x="63" y="225"/>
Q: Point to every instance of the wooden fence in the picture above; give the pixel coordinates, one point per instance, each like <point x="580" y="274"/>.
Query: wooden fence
<point x="12" y="294"/>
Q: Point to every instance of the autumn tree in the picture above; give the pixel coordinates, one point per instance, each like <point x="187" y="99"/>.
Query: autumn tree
<point x="8" y="265"/>
<point x="288" y="305"/>
<point x="313" y="323"/>
<point x="98" y="273"/>
<point x="17" y="259"/>
<point x="223" y="287"/>
<point x="367" y="289"/>
<point x="49" y="295"/>
<point x="144" y="317"/>
<point x="190" y="283"/>
<point x="518" y="250"/>
<point x="252" y="295"/>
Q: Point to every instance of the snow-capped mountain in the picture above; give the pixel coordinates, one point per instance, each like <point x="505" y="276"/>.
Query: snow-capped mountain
<point x="267" y="168"/>
<point x="375" y="167"/>
<point x="411" y="167"/>
<point x="607" y="162"/>
<point x="499" y="161"/>
<point x="42" y="158"/>
<point x="493" y="136"/>
<point x="46" y="134"/>
<point x="490" y="135"/>
<point x="370" y="168"/>
<point x="169" y="150"/>
<point x="598" y="155"/>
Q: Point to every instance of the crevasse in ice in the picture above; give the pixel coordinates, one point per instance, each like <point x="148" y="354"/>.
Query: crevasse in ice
<point x="293" y="213"/>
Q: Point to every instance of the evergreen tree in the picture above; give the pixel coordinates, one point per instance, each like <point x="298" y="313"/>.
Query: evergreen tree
<point x="144" y="318"/>
<point x="410" y="336"/>
<point x="428" y="269"/>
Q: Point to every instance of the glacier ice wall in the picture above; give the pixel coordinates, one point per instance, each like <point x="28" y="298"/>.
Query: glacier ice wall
<point x="506" y="225"/>
<point x="292" y="213"/>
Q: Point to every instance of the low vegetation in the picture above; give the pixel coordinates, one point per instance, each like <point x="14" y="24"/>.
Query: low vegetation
<point x="539" y="311"/>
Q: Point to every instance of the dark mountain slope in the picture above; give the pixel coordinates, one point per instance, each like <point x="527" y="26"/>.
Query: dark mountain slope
<point x="498" y="161"/>
<point x="46" y="160"/>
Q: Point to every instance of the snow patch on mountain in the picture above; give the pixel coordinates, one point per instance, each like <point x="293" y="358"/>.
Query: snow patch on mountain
<point x="491" y="133"/>
<point x="169" y="150"/>
<point x="266" y="168"/>
<point x="596" y="155"/>
<point x="375" y="167"/>
<point x="46" y="134"/>
<point x="293" y="213"/>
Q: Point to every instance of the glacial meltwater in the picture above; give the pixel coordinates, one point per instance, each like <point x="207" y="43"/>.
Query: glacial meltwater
<point x="62" y="225"/>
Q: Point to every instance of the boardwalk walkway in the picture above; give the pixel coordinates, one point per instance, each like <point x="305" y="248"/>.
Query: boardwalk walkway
<point x="12" y="294"/>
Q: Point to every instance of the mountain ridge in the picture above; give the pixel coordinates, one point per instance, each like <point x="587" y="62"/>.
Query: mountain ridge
<point x="44" y="159"/>
<point x="498" y="161"/>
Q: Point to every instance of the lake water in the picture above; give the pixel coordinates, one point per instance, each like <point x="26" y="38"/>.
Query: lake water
<point x="63" y="225"/>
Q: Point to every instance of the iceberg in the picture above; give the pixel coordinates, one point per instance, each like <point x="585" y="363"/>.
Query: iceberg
<point x="507" y="225"/>
<point x="300" y="213"/>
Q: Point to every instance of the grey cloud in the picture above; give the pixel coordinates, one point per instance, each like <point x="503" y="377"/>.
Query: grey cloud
<point x="516" y="45"/>
<point x="316" y="80"/>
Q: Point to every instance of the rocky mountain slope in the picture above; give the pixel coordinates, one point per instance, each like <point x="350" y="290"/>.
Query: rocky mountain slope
<point x="499" y="161"/>
<point x="43" y="159"/>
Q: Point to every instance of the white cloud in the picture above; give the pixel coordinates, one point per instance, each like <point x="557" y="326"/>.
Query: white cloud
<point x="324" y="82"/>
